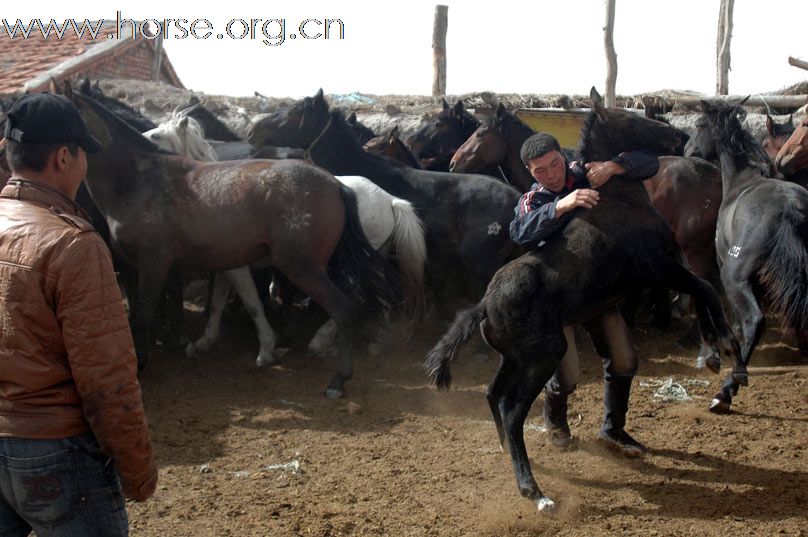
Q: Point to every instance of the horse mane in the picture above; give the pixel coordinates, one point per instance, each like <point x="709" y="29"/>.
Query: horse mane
<point x="196" y="146"/>
<point x="337" y="122"/>
<point x="588" y="131"/>
<point x="731" y="137"/>
<point x="127" y="132"/>
<point x="131" y="116"/>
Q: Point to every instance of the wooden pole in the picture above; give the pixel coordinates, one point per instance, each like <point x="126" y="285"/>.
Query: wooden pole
<point x="611" y="55"/>
<point x="158" y="56"/>
<point x="774" y="101"/>
<point x="439" y="50"/>
<point x="723" y="38"/>
<point x="797" y="63"/>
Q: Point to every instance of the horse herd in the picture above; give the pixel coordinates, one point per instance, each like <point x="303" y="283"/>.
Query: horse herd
<point x="365" y="232"/>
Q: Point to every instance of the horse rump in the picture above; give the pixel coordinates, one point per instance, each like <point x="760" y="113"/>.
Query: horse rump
<point x="360" y="272"/>
<point x="445" y="350"/>
<point x="784" y="273"/>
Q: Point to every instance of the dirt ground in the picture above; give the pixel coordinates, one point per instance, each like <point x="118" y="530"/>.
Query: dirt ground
<point x="413" y="461"/>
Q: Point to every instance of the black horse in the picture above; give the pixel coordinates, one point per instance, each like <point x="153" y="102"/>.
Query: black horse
<point x="214" y="128"/>
<point x="123" y="110"/>
<point x="299" y="124"/>
<point x="436" y="141"/>
<point x="761" y="236"/>
<point x="466" y="216"/>
<point x="595" y="260"/>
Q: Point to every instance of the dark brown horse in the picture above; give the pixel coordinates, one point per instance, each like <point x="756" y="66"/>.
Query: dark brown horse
<point x="776" y="135"/>
<point x="169" y="211"/>
<point x="493" y="149"/>
<point x="602" y="254"/>
<point x="792" y="158"/>
<point x="391" y="146"/>
<point x="438" y="139"/>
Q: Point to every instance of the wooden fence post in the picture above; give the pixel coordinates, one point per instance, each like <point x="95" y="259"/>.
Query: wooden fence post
<point x="439" y="51"/>
<point x="611" y="55"/>
<point x="723" y="38"/>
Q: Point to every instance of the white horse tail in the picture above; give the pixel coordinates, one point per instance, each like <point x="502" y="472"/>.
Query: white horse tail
<point x="410" y="248"/>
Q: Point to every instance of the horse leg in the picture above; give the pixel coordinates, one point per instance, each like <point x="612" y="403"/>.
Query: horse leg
<point x="242" y="281"/>
<point x="715" y="329"/>
<point x="151" y="277"/>
<point x="494" y="394"/>
<point x="324" y="338"/>
<point x="317" y="285"/>
<point x="751" y="323"/>
<point x="171" y="312"/>
<point x="216" y="305"/>
<point x="519" y="390"/>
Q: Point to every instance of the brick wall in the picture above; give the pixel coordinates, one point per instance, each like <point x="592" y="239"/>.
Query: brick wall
<point x="135" y="63"/>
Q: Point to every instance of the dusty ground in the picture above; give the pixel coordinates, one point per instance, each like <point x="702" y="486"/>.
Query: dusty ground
<point x="416" y="462"/>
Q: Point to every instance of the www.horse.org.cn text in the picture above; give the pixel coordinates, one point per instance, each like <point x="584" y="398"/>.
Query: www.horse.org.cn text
<point x="271" y="32"/>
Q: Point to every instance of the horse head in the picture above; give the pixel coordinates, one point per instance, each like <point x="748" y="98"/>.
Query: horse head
<point x="336" y="146"/>
<point x="608" y="131"/>
<point x="793" y="156"/>
<point x="363" y="134"/>
<point x="720" y="129"/>
<point x="294" y="126"/>
<point x="440" y="137"/>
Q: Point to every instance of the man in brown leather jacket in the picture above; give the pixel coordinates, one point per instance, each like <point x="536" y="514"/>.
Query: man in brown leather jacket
<point x="73" y="436"/>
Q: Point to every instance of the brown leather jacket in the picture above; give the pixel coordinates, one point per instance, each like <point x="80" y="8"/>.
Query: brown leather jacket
<point x="67" y="360"/>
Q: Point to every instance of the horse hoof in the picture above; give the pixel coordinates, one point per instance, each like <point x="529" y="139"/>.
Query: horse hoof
<point x="717" y="406"/>
<point x="333" y="393"/>
<point x="265" y="360"/>
<point x="713" y="363"/>
<point x="546" y="505"/>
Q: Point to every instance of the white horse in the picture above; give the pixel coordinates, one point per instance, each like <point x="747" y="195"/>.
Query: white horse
<point x="390" y="224"/>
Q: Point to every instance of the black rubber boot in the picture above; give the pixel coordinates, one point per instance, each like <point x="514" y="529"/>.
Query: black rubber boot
<point x="615" y="399"/>
<point x="555" y="419"/>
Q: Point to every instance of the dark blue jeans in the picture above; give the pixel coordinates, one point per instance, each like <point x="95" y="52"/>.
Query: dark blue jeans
<point x="59" y="488"/>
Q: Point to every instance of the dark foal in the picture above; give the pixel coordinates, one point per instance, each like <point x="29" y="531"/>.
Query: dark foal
<point x="761" y="235"/>
<point x="438" y="139"/>
<point x="164" y="211"/>
<point x="581" y="272"/>
<point x="391" y="146"/>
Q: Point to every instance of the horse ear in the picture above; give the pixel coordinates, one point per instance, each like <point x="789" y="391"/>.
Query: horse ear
<point x="769" y="125"/>
<point x="597" y="102"/>
<point x="352" y="118"/>
<point x="67" y="90"/>
<point x="458" y="109"/>
<point x="183" y="123"/>
<point x="445" y="105"/>
<point x="706" y="106"/>
<point x="319" y="96"/>
<point x="500" y="112"/>
<point x="52" y="87"/>
<point x="394" y="133"/>
<point x="84" y="87"/>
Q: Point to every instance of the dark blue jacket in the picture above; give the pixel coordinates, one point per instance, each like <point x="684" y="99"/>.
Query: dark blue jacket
<point x="535" y="218"/>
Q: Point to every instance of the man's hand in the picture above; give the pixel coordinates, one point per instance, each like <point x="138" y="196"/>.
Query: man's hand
<point x="583" y="197"/>
<point x="599" y="173"/>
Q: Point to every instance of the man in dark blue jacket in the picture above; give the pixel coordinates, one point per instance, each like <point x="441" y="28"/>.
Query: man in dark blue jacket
<point x="561" y="188"/>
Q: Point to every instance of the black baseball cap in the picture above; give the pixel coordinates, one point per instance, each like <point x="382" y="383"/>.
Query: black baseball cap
<point x="45" y="118"/>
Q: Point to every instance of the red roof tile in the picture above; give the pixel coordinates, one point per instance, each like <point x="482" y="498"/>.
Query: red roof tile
<point x="22" y="59"/>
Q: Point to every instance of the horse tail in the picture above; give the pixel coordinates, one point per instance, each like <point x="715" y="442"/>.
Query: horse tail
<point x="785" y="270"/>
<point x="359" y="270"/>
<point x="444" y="351"/>
<point x="410" y="247"/>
